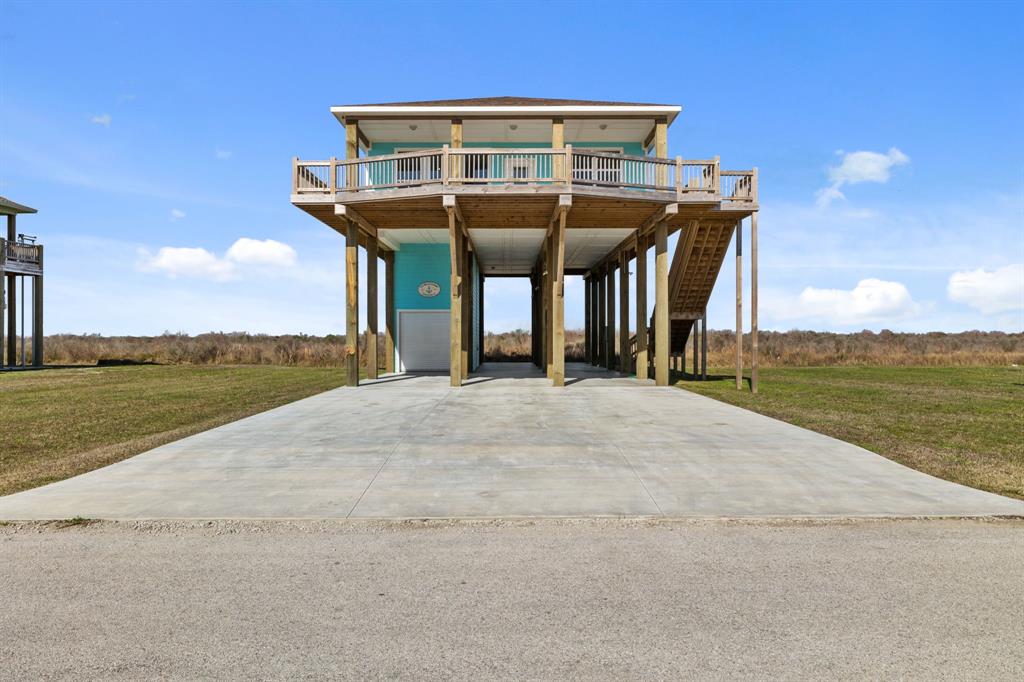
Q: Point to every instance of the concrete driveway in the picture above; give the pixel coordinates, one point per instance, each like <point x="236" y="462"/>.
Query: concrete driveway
<point x="506" y="445"/>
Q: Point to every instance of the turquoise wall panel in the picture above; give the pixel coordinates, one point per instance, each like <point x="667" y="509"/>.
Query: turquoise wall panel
<point x="384" y="148"/>
<point x="418" y="263"/>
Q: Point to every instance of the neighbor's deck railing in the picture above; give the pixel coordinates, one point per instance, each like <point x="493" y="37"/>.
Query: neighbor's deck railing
<point x="20" y="253"/>
<point x="20" y="257"/>
<point x="525" y="166"/>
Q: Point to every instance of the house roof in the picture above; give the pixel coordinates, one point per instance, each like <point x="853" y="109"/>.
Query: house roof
<point x="507" y="101"/>
<point x="591" y="120"/>
<point x="512" y="107"/>
<point x="8" y="207"/>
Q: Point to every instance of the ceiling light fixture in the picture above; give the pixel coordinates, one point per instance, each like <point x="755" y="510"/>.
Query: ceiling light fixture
<point x="412" y="126"/>
<point x="602" y="126"/>
<point x="513" y="126"/>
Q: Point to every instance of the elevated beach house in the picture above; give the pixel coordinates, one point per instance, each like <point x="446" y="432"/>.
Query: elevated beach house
<point x="21" y="263"/>
<point x="449" y="192"/>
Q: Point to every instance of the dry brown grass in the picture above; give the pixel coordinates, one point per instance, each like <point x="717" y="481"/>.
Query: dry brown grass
<point x="819" y="349"/>
<point x="777" y="349"/>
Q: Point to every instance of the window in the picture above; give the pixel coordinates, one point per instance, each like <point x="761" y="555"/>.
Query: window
<point x="418" y="168"/>
<point x="587" y="166"/>
<point x="520" y="167"/>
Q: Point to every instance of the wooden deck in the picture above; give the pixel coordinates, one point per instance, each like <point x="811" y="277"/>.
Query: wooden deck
<point x="523" y="171"/>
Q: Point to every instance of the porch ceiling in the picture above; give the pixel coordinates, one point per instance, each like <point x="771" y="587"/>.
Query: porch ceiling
<point x="505" y="130"/>
<point x="513" y="251"/>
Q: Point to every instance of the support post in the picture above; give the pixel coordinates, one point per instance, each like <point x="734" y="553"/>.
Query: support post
<point x="641" y="308"/>
<point x="600" y="332"/>
<point x="661" y="331"/>
<point x="352" y="152"/>
<point x="12" y="301"/>
<point x="704" y="345"/>
<point x="455" y="172"/>
<point x="609" y="358"/>
<point x="696" y="352"/>
<point x="480" y="307"/>
<point x="558" y="142"/>
<point x="625" y="361"/>
<point x="389" y="312"/>
<point x="3" y="298"/>
<point x="533" y="316"/>
<point x="467" y="309"/>
<point x="37" y="316"/>
<point x="371" y="308"/>
<point x="661" y="149"/>
<point x="558" y="302"/>
<point x="739" y="305"/>
<point x="753" y="302"/>
<point x="352" y="303"/>
<point x="546" y="302"/>
<point x="587" y="345"/>
<point x="455" y="311"/>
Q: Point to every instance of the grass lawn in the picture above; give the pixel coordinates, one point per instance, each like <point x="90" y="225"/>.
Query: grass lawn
<point x="57" y="423"/>
<point x="963" y="424"/>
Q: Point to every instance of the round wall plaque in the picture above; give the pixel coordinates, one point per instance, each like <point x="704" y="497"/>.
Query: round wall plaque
<point x="429" y="289"/>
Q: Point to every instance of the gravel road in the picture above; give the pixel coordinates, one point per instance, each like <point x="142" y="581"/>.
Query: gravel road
<point x="541" y="600"/>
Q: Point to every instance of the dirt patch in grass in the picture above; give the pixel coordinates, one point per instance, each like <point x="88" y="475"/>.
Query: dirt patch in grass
<point x="963" y="424"/>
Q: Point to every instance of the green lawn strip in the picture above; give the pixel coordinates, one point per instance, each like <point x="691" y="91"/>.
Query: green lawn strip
<point x="62" y="422"/>
<point x="964" y="424"/>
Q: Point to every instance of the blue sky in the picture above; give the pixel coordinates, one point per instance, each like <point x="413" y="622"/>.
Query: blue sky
<point x="888" y="138"/>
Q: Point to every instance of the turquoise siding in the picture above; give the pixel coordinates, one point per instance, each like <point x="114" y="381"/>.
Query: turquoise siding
<point x="384" y="148"/>
<point x="418" y="263"/>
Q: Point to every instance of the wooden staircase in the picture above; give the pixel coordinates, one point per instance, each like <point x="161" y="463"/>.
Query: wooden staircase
<point x="698" y="258"/>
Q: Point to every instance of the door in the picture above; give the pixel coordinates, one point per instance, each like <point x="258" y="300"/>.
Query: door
<point x="424" y="340"/>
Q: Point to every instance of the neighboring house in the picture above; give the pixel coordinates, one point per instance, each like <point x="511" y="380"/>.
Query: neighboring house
<point x="21" y="259"/>
<point x="450" y="192"/>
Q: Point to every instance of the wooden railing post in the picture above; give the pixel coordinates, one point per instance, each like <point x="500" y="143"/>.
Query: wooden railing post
<point x="568" y="166"/>
<point x="332" y="170"/>
<point x="716" y="177"/>
<point x="445" y="168"/>
<point x="679" y="177"/>
<point x="295" y="175"/>
<point x="753" y="185"/>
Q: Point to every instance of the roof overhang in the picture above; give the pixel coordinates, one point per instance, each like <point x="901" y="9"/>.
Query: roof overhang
<point x="8" y="207"/>
<point x="344" y="113"/>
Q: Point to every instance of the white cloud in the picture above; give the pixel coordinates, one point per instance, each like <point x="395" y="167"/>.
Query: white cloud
<point x="187" y="262"/>
<point x="858" y="167"/>
<point x="990" y="292"/>
<point x="199" y="263"/>
<point x="872" y="300"/>
<point x="127" y="97"/>
<point x="177" y="214"/>
<point x="261" y="252"/>
<point x="102" y="120"/>
<point x="222" y="154"/>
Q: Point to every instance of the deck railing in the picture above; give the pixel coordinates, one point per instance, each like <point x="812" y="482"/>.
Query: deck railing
<point x="739" y="185"/>
<point x="523" y="166"/>
<point x="25" y="254"/>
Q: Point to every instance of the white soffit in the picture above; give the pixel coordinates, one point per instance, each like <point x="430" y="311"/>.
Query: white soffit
<point x="414" y="236"/>
<point x="584" y="248"/>
<point x="514" y="251"/>
<point x="507" y="252"/>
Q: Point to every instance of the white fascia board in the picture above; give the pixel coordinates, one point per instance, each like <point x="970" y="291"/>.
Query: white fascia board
<point x="670" y="111"/>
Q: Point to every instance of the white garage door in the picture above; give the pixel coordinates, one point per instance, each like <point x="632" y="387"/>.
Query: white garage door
<point x="424" y="340"/>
